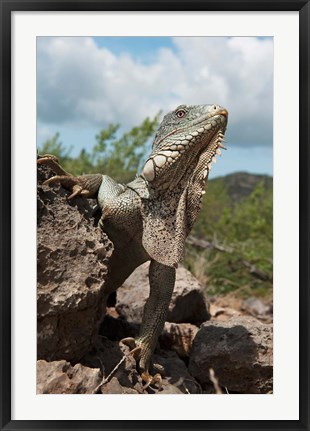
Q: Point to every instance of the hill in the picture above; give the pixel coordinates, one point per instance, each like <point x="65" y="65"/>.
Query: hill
<point x="241" y="184"/>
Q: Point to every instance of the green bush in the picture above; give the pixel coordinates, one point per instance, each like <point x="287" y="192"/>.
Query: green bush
<point x="119" y="157"/>
<point x="244" y="229"/>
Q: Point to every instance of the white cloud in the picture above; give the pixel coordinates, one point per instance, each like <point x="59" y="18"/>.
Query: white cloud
<point x="82" y="85"/>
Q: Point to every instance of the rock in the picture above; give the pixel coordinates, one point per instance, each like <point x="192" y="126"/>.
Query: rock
<point x="113" y="356"/>
<point x="223" y="313"/>
<point x="257" y="308"/>
<point x="178" y="337"/>
<point x="72" y="264"/>
<point x="59" y="377"/>
<point x="225" y="307"/>
<point x="240" y="352"/>
<point x="116" y="328"/>
<point x="176" y="379"/>
<point x="188" y="304"/>
<point x="123" y="377"/>
<point x="114" y="387"/>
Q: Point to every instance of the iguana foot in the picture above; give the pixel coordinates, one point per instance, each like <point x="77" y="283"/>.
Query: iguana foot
<point x="83" y="185"/>
<point x="152" y="380"/>
<point x="136" y="350"/>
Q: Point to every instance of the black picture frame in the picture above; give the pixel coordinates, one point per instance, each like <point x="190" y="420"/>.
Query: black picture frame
<point x="7" y="7"/>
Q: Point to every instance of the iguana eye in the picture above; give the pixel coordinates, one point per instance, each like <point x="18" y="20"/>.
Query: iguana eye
<point x="180" y="113"/>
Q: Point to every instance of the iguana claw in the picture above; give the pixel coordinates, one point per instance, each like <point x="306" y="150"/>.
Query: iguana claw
<point x="83" y="185"/>
<point x="135" y="351"/>
<point x="151" y="380"/>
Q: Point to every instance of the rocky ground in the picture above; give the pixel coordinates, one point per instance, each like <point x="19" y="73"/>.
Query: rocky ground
<point x="214" y="345"/>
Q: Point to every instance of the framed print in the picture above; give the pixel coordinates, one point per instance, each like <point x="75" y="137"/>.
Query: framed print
<point x="128" y="110"/>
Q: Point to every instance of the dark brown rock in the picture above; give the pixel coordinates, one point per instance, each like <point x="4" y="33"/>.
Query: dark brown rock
<point x="240" y="352"/>
<point x="72" y="258"/>
<point x="59" y="377"/>
<point x="116" y="328"/>
<point x="188" y="304"/>
<point x="176" y="379"/>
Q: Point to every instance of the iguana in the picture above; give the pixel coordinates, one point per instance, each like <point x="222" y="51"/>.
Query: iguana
<point x="150" y="217"/>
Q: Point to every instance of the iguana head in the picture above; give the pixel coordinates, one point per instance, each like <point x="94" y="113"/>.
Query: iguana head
<point x="187" y="140"/>
<point x="175" y="175"/>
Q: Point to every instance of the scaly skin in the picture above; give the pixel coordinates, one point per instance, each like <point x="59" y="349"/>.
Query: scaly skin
<point x="149" y="218"/>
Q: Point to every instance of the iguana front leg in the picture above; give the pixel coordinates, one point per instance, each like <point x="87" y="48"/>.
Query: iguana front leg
<point x="162" y="280"/>
<point x="84" y="185"/>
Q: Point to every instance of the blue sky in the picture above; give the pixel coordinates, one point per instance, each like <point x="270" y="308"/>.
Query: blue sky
<point x="143" y="49"/>
<point x="85" y="83"/>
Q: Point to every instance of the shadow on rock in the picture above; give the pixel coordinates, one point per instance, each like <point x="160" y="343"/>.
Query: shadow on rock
<point x="239" y="351"/>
